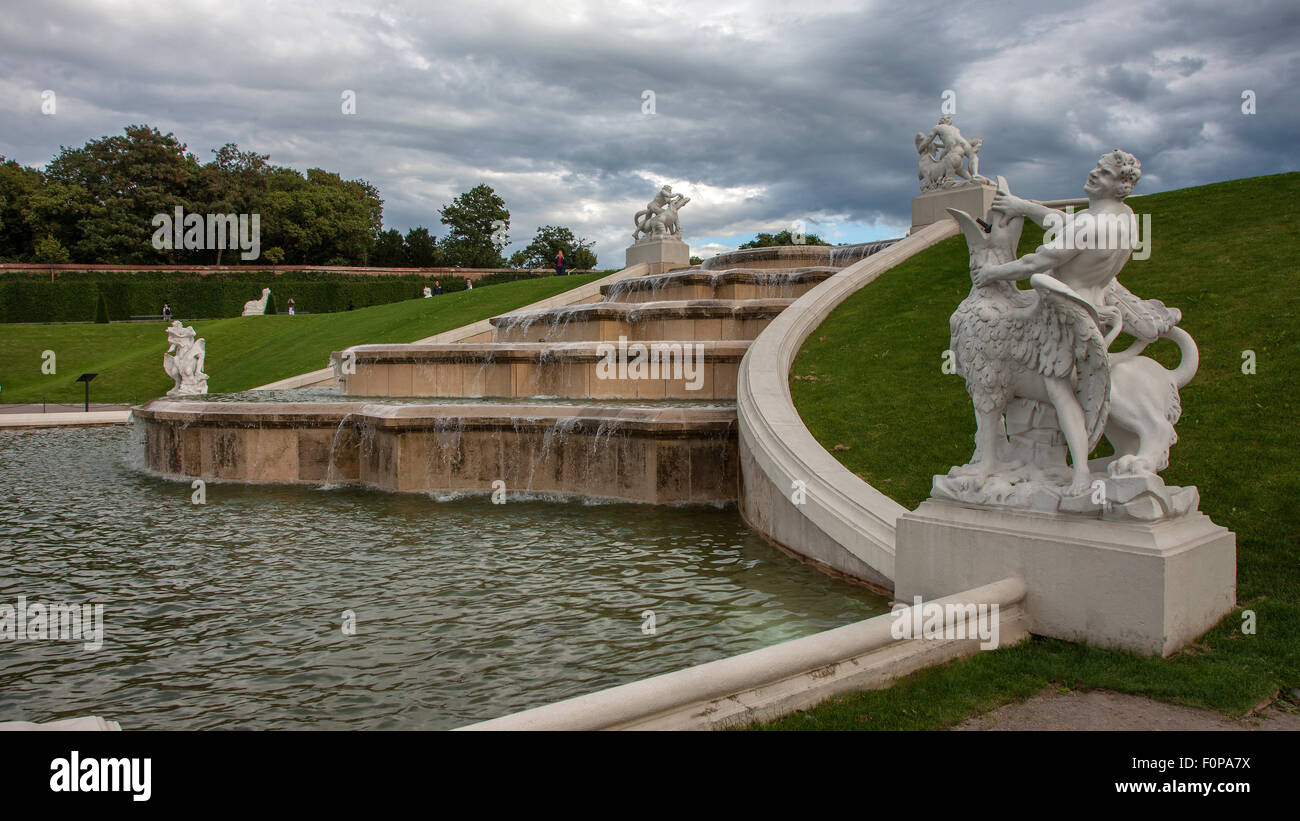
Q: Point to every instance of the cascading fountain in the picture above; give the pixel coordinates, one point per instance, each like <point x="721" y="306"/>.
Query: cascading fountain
<point x="630" y="397"/>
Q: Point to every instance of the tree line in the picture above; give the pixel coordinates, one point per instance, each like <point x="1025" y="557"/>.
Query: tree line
<point x="96" y="204"/>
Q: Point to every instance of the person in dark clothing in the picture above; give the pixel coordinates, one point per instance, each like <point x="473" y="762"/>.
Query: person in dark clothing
<point x="437" y="287"/>
<point x="559" y="263"/>
<point x="167" y="312"/>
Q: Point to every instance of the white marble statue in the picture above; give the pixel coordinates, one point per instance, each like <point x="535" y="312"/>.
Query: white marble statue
<point x="185" y="367"/>
<point x="659" y="218"/>
<point x="1039" y="370"/>
<point x="428" y="292"/>
<point x="257" y="307"/>
<point x="946" y="169"/>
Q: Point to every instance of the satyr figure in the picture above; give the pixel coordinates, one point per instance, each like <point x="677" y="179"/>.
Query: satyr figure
<point x="947" y="170"/>
<point x="659" y="217"/>
<point x="185" y="366"/>
<point x="1038" y="368"/>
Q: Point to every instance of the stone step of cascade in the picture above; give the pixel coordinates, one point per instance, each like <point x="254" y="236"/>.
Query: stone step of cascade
<point x="734" y="283"/>
<point x="670" y="320"/>
<point x="662" y="455"/>
<point x="785" y="256"/>
<point x="651" y="370"/>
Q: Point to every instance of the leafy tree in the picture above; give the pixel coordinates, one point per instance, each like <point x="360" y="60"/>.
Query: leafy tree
<point x="234" y="182"/>
<point x="389" y="250"/>
<point x="550" y="240"/>
<point x="318" y="217"/>
<point x="762" y="240"/>
<point x="49" y="249"/>
<point x="422" y="248"/>
<point x="113" y="187"/>
<point x="470" y="220"/>
<point x="696" y="261"/>
<point x="18" y="225"/>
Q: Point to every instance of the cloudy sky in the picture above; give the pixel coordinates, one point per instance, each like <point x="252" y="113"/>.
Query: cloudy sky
<point x="764" y="112"/>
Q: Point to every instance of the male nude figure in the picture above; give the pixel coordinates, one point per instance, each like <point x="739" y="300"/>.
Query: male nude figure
<point x="1088" y="271"/>
<point x="655" y="207"/>
<point x="955" y="146"/>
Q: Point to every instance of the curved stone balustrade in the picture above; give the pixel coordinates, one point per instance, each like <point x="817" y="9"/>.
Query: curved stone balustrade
<point x="844" y="525"/>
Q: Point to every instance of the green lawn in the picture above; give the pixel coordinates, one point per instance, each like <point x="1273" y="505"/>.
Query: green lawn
<point x="1226" y="254"/>
<point x="242" y="352"/>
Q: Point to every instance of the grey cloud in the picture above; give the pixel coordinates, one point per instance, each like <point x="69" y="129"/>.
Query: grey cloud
<point x="815" y="108"/>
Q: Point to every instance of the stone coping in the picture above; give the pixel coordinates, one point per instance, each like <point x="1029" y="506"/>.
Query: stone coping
<point x="767" y="683"/>
<point x="640" y="311"/>
<point x="844" y="522"/>
<point x="792" y="254"/>
<point x="647" y="419"/>
<point x="725" y="350"/>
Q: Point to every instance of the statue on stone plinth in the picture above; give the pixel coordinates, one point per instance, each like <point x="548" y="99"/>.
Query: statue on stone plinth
<point x="1039" y="370"/>
<point x="185" y="367"/>
<point x="946" y="168"/>
<point x="659" y="218"/>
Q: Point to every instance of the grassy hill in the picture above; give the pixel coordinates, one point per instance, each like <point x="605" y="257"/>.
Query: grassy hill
<point x="242" y="352"/>
<point x="870" y="378"/>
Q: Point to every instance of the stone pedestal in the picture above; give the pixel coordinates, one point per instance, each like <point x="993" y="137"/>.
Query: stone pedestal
<point x="1151" y="587"/>
<point x="930" y="207"/>
<point x="661" y="254"/>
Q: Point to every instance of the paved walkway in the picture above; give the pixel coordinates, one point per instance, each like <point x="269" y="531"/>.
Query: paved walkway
<point x="1104" y="710"/>
<point x="30" y="415"/>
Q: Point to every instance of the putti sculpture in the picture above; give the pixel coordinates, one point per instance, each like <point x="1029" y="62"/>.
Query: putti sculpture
<point x="1038" y="368"/>
<point x="659" y="218"/>
<point x="946" y="169"/>
<point x="185" y="367"/>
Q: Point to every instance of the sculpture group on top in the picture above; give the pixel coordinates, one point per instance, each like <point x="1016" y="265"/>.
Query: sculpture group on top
<point x="947" y="159"/>
<point x="1039" y="370"/>
<point x="659" y="218"/>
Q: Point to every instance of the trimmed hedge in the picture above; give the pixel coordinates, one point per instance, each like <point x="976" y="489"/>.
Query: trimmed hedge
<point x="73" y="295"/>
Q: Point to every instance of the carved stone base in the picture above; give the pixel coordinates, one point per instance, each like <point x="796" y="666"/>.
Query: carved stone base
<point x="1140" y="497"/>
<point x="663" y="254"/>
<point x="929" y="208"/>
<point x="190" y="387"/>
<point x="1148" y="587"/>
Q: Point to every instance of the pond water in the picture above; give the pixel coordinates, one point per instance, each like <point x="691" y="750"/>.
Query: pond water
<point x="230" y="614"/>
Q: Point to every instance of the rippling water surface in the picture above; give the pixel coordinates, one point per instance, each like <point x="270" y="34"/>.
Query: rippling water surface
<point x="228" y="615"/>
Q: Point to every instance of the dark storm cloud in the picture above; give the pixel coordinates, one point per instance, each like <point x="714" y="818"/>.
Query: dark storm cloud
<point x="765" y="112"/>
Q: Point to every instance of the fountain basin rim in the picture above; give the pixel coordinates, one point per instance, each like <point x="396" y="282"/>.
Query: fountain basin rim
<point x="689" y="421"/>
<point x="725" y="350"/>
